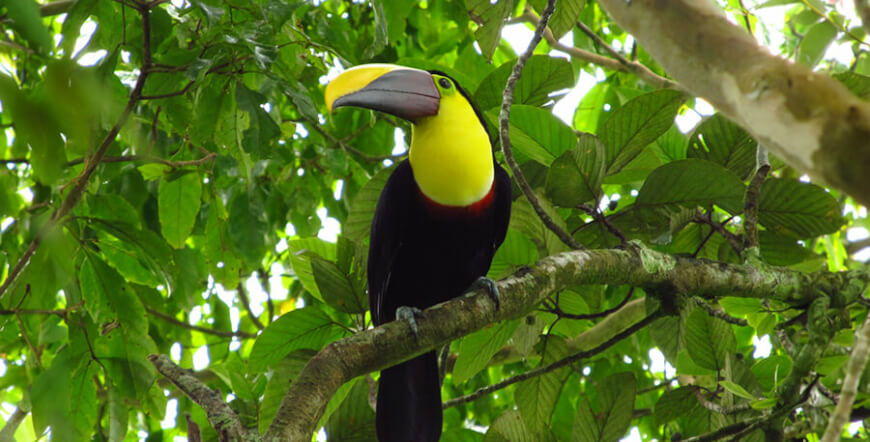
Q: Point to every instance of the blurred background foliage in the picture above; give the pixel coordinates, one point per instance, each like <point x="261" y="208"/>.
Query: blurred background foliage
<point x="172" y="183"/>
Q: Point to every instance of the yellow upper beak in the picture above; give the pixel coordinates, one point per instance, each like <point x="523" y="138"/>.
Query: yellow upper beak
<point x="401" y="91"/>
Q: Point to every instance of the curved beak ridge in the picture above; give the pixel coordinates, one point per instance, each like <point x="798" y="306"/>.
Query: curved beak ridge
<point x="404" y="92"/>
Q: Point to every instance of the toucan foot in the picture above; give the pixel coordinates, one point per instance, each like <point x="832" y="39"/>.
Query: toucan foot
<point x="409" y="314"/>
<point x="489" y="285"/>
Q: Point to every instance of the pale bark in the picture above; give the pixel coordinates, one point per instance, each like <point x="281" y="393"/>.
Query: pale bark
<point x="808" y="119"/>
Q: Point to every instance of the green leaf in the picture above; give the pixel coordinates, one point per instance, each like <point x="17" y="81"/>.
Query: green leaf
<point x="354" y="419"/>
<point x="336" y="287"/>
<point x="178" y="203"/>
<point x="538" y="134"/>
<point x="301" y="251"/>
<point x="516" y="250"/>
<point x="575" y="177"/>
<point x="738" y="306"/>
<point x="490" y="18"/>
<point x="636" y="124"/>
<point x="674" y="404"/>
<point x="536" y="397"/>
<point x="737" y="390"/>
<point x="829" y="365"/>
<point x="27" y="20"/>
<point x="692" y="183"/>
<point x="247" y="229"/>
<point x="564" y="17"/>
<point x="283" y="372"/>
<point x="224" y="264"/>
<point x="306" y="328"/>
<point x="113" y="208"/>
<point x="362" y="209"/>
<point x="477" y="349"/>
<point x="721" y="141"/>
<point x="764" y="404"/>
<point x="591" y="111"/>
<point x="542" y="75"/>
<point x="856" y="83"/>
<point x="611" y="420"/>
<point x="772" y="371"/>
<point x="801" y="210"/>
<point x="509" y="427"/>
<point x="709" y="340"/>
<point x="816" y="40"/>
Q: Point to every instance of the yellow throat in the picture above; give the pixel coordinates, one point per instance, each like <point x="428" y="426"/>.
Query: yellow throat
<point x="451" y="155"/>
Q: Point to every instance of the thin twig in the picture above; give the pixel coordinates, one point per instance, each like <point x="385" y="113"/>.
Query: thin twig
<point x="850" y="384"/>
<point x="504" y="132"/>
<point x="7" y="434"/>
<point x="729" y="236"/>
<point x="747" y="426"/>
<point x="221" y="333"/>
<point x="632" y="67"/>
<point x="716" y="313"/>
<point x="750" y="210"/>
<point x="555" y="365"/>
<point x="556" y="310"/>
<point x="601" y="218"/>
<point x="246" y="303"/>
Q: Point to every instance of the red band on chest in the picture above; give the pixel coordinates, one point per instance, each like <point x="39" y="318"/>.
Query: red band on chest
<point x="476" y="208"/>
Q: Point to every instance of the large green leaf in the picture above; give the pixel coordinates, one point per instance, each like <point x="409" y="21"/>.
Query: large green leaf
<point x="802" y="210"/>
<point x="477" y="349"/>
<point x="178" y="200"/>
<point x="353" y="419"/>
<point x="772" y="371"/>
<point x="542" y="75"/>
<point x="814" y="43"/>
<point x="575" y="177"/>
<point x="301" y="251"/>
<point x="306" y="328"/>
<point x="709" y="340"/>
<point x="26" y="19"/>
<point x="362" y="209"/>
<point x="564" y="17"/>
<point x="691" y="183"/>
<point x="611" y="420"/>
<point x="336" y="286"/>
<point x="673" y="404"/>
<point x="509" y="427"/>
<point x="537" y="134"/>
<point x="490" y="18"/>
<point x="594" y="107"/>
<point x="536" y="398"/>
<point x="721" y="141"/>
<point x="636" y="124"/>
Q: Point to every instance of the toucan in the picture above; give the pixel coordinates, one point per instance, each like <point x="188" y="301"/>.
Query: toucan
<point x="439" y="220"/>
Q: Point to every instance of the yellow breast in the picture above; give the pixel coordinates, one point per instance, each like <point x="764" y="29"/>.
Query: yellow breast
<point x="451" y="155"/>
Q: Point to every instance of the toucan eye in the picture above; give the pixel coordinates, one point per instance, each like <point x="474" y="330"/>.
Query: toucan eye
<point x="445" y="83"/>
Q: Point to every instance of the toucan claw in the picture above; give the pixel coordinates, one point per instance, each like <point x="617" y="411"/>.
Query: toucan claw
<point x="489" y="285"/>
<point x="409" y="314"/>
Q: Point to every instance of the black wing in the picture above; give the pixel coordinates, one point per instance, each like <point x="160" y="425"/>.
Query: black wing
<point x="388" y="231"/>
<point x="502" y="212"/>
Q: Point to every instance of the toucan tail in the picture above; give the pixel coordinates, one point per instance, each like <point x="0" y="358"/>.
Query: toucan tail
<point x="409" y="401"/>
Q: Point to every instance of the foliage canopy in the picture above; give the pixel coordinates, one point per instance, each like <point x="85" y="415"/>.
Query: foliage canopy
<point x="170" y="165"/>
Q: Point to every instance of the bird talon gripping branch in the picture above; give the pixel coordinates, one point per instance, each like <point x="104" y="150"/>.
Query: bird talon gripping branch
<point x="438" y="222"/>
<point x="409" y="315"/>
<point x="489" y="285"/>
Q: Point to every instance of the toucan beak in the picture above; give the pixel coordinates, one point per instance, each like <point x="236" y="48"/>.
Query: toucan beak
<point x="397" y="90"/>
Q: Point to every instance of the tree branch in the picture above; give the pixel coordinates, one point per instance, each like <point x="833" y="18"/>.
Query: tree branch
<point x="555" y="365"/>
<point x="7" y="434"/>
<point x="226" y="334"/>
<point x="750" y="211"/>
<point x="222" y="418"/>
<point x="665" y="275"/>
<point x="806" y="118"/>
<point x="850" y="384"/>
<point x="504" y="131"/>
<point x="620" y="64"/>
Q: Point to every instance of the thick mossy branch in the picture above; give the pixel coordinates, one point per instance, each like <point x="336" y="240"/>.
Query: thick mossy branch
<point x="808" y="119"/>
<point x="661" y="274"/>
